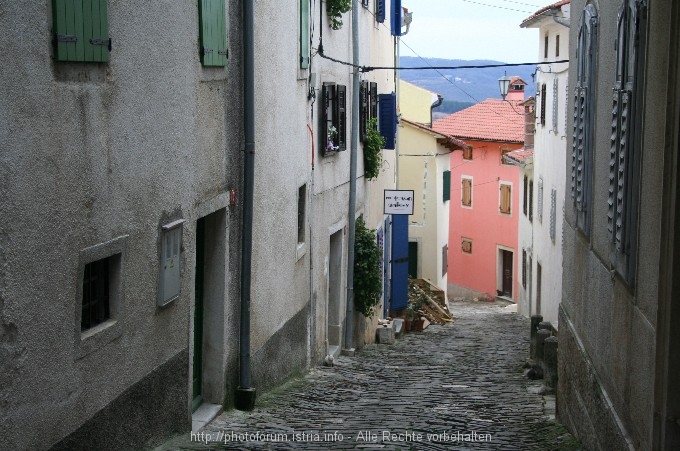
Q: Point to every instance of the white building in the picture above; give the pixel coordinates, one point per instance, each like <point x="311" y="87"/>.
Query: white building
<point x="540" y="228"/>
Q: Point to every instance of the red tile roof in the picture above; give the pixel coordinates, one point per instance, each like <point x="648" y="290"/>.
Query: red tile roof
<point x="448" y="141"/>
<point x="490" y="120"/>
<point x="521" y="157"/>
<point x="529" y="20"/>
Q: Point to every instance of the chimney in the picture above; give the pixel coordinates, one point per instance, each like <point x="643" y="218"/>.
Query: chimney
<point x="516" y="89"/>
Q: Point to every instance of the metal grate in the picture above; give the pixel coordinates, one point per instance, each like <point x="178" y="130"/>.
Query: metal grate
<point x="95" y="309"/>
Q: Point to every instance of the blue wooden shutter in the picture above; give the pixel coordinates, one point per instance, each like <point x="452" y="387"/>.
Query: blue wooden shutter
<point x="304" y="34"/>
<point x="400" y="259"/>
<point x="212" y="32"/>
<point x="81" y="30"/>
<point x="395" y="14"/>
<point x="388" y="118"/>
<point x="380" y="10"/>
<point x="446" y="183"/>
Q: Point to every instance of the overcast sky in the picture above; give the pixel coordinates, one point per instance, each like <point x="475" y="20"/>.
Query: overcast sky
<point x="472" y="29"/>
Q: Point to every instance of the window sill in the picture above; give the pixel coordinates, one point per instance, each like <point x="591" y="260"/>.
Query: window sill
<point x="97" y="337"/>
<point x="300" y="251"/>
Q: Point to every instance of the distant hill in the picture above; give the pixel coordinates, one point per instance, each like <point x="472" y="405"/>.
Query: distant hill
<point x="462" y="87"/>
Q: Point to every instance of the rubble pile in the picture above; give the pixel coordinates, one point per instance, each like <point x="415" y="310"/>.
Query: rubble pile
<point x="427" y="301"/>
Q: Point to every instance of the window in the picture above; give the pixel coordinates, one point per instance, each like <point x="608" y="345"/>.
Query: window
<point x="212" y="32"/>
<point x="446" y="185"/>
<point x="95" y="308"/>
<point x="81" y="30"/>
<point x="526" y="193"/>
<point x="539" y="201"/>
<point x="505" y="199"/>
<point x="380" y="11"/>
<point x="543" y="103"/>
<point x="531" y="200"/>
<point x="170" y="278"/>
<point x="554" y="104"/>
<point x="368" y="99"/>
<point x="387" y="118"/>
<point x="99" y="296"/>
<point x="557" y="45"/>
<point x="466" y="192"/>
<point x="302" y="201"/>
<point x="626" y="142"/>
<point x="584" y="117"/>
<point x="467" y="153"/>
<point x="524" y="268"/>
<point x="503" y="152"/>
<point x="395" y="17"/>
<point x="445" y="259"/>
<point x="304" y="34"/>
<point x="553" y="214"/>
<point x="466" y="245"/>
<point x="545" y="46"/>
<point x="333" y="125"/>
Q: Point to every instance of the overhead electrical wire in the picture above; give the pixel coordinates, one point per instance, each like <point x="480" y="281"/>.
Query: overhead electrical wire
<point x="363" y="68"/>
<point x="498" y="7"/>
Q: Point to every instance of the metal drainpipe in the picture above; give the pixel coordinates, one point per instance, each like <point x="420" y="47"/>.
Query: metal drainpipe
<point x="349" y="311"/>
<point x="561" y="21"/>
<point x="439" y="101"/>
<point x="245" y="394"/>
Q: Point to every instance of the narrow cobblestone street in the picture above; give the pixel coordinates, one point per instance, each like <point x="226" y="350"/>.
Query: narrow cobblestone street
<point x="459" y="387"/>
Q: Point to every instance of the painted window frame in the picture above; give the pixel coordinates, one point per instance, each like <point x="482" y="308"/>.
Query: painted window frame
<point x="333" y="107"/>
<point x="469" y="180"/>
<point x="81" y="34"/>
<point x="501" y="210"/>
<point x="583" y="145"/>
<point x="466" y="245"/>
<point x="626" y="138"/>
<point x="94" y="338"/>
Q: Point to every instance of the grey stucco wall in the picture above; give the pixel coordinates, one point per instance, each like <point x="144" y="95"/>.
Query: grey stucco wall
<point x="606" y="383"/>
<point x="92" y="152"/>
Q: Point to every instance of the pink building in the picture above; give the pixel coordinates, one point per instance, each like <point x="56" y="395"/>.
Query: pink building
<point x="485" y="208"/>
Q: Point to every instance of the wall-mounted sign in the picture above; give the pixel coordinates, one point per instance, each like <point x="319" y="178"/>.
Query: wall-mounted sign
<point x="398" y="202"/>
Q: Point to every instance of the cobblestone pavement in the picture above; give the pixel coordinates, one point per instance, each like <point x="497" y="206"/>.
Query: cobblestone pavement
<point x="459" y="386"/>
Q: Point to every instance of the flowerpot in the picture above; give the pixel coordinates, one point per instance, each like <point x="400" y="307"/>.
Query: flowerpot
<point x="407" y="324"/>
<point x="418" y="325"/>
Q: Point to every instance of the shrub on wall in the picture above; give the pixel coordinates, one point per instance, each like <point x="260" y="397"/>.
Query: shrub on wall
<point x="335" y="9"/>
<point x="373" y="145"/>
<point x="367" y="280"/>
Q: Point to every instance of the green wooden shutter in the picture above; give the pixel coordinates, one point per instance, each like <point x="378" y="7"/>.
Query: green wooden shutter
<point x="213" y="32"/>
<point x="81" y="30"/>
<point x="447" y="185"/>
<point x="304" y="34"/>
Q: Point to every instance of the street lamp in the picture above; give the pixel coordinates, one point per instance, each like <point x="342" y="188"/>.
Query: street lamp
<point x="504" y="84"/>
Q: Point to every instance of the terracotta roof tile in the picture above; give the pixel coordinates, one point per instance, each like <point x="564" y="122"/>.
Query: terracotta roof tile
<point x="490" y="120"/>
<point x="521" y="155"/>
<point x="541" y="11"/>
<point x="448" y="141"/>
